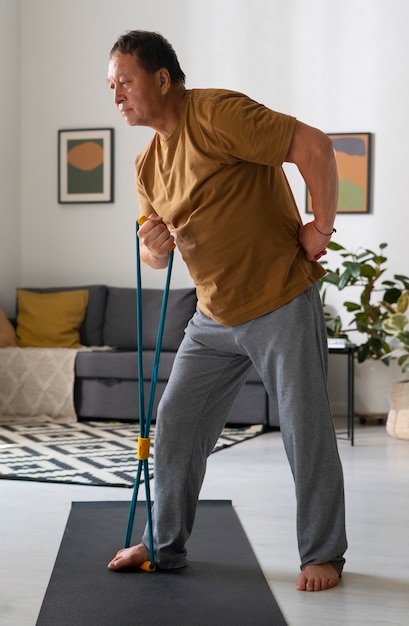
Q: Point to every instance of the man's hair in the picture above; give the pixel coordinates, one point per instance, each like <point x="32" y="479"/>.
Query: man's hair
<point x="152" y="51"/>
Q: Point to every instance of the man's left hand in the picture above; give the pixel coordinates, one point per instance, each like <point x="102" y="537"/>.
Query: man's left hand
<point x="313" y="243"/>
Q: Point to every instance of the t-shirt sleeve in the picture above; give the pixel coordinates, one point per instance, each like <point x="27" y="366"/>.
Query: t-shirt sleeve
<point x="247" y="130"/>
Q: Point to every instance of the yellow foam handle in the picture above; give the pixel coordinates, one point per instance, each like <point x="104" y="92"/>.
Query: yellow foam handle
<point x="146" y="566"/>
<point x="143" y="448"/>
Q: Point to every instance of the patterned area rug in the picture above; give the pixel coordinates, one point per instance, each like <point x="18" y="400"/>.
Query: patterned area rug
<point x="85" y="453"/>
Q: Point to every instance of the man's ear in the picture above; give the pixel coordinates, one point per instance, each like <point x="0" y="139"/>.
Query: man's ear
<point x="164" y="80"/>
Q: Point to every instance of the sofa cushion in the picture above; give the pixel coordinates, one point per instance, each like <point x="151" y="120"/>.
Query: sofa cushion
<point x="120" y="329"/>
<point x="115" y="399"/>
<point x="121" y="364"/>
<point x="91" y="328"/>
<point x="50" y="319"/>
<point x="7" y="331"/>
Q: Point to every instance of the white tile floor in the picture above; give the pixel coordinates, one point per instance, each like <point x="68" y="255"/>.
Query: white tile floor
<point x="255" y="476"/>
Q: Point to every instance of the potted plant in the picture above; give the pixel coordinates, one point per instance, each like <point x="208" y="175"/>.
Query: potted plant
<point x="397" y="325"/>
<point x="364" y="270"/>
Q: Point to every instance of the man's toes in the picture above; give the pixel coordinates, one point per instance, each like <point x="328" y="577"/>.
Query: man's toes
<point x="129" y="557"/>
<point x="116" y="561"/>
<point x="317" y="578"/>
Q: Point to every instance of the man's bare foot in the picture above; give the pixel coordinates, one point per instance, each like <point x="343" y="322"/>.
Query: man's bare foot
<point x="317" y="578"/>
<point x="129" y="557"/>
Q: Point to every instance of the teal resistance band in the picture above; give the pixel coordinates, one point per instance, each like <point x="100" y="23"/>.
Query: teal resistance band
<point x="143" y="448"/>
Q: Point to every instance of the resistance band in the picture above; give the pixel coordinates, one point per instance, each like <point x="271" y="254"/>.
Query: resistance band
<point x="143" y="446"/>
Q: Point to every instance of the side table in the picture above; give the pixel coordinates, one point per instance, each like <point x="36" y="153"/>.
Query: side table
<point x="349" y="350"/>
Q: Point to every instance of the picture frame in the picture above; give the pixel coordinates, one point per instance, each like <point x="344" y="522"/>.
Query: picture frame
<point x="85" y="165"/>
<point x="353" y="153"/>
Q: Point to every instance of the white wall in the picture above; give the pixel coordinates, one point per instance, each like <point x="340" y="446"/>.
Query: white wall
<point x="339" y="65"/>
<point x="10" y="108"/>
<point x="65" y="51"/>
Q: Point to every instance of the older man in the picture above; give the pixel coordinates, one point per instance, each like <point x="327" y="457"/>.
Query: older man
<point x="211" y="181"/>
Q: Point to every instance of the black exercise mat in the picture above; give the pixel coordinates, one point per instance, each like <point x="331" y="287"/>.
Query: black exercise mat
<point x="223" y="585"/>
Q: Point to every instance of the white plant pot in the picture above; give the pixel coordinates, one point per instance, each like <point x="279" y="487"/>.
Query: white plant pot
<point x="397" y="424"/>
<point x="373" y="382"/>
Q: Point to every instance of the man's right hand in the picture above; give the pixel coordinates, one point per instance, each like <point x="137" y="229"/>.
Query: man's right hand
<point x="155" y="242"/>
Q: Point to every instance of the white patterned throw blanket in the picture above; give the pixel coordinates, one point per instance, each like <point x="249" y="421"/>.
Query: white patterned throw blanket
<point x="37" y="382"/>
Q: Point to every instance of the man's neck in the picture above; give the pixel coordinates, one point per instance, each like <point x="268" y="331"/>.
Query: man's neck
<point x="174" y="109"/>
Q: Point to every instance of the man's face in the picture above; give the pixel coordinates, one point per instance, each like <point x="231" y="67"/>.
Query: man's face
<point x="137" y="94"/>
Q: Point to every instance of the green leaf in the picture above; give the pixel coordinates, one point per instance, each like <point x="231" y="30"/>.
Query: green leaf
<point x="392" y="295"/>
<point x="402" y="302"/>
<point x="367" y="271"/>
<point x="363" y="353"/>
<point x="399" y="320"/>
<point x="380" y="260"/>
<point x="366" y="253"/>
<point x="332" y="245"/>
<point x="345" y="279"/>
<point x="353" y="268"/>
<point x="403" y="279"/>
<point x="394" y="324"/>
<point x="403" y="362"/>
<point x="331" y="277"/>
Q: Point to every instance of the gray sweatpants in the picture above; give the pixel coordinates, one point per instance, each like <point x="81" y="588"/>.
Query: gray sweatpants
<point x="288" y="348"/>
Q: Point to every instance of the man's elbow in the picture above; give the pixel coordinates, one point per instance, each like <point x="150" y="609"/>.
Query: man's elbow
<point x="309" y="143"/>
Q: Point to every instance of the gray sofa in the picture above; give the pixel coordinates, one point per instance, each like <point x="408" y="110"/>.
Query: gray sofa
<point x="106" y="382"/>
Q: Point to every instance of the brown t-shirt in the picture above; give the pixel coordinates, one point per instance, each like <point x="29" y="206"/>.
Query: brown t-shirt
<point x="218" y="184"/>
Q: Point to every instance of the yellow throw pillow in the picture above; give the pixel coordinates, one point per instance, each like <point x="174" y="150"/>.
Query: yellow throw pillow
<point x="7" y="332"/>
<point x="50" y="320"/>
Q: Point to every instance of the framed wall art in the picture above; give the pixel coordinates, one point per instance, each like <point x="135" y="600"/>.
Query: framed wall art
<point x="353" y="152"/>
<point x="86" y="165"/>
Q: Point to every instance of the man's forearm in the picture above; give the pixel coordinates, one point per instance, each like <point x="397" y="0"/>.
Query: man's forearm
<point x="312" y="151"/>
<point x="322" y="182"/>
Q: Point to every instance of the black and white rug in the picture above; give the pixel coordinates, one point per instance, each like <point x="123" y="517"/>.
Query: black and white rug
<point x="85" y="453"/>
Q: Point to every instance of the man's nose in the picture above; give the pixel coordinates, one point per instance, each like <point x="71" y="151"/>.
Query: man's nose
<point x="118" y="96"/>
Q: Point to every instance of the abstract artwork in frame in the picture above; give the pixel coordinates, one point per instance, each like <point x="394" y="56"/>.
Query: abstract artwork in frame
<point x="85" y="165"/>
<point x="353" y="153"/>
